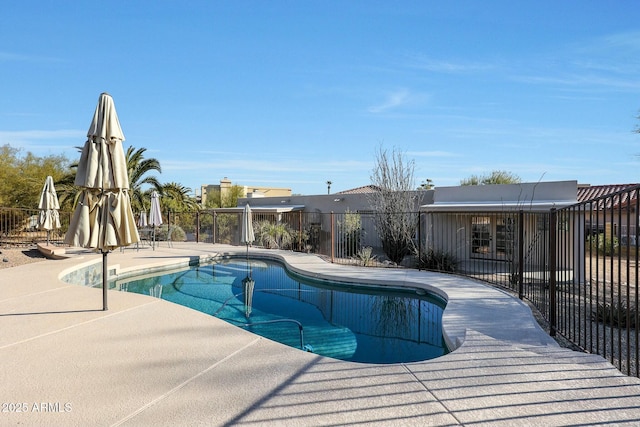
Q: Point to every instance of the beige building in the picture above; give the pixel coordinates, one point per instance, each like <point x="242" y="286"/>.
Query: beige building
<point x="248" y="191"/>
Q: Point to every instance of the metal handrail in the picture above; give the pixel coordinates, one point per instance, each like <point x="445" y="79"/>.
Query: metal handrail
<point x="264" y="322"/>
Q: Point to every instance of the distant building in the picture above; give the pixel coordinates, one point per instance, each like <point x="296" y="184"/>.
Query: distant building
<point x="600" y="201"/>
<point x="248" y="191"/>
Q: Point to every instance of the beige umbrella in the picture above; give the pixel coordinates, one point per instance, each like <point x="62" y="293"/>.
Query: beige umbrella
<point x="103" y="219"/>
<point x="49" y="217"/>
<point x="155" y="215"/>
<point x="247" y="287"/>
<point x="247" y="236"/>
<point x="142" y="220"/>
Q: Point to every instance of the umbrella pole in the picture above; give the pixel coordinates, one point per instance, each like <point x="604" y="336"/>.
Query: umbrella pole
<point x="104" y="281"/>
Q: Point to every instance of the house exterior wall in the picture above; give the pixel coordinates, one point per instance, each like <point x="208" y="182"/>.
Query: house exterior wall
<point x="453" y="220"/>
<point x="320" y="210"/>
<point x="480" y="226"/>
<point x="337" y="203"/>
<point x="528" y="196"/>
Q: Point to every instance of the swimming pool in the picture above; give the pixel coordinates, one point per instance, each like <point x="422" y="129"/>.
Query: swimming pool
<point x="345" y="321"/>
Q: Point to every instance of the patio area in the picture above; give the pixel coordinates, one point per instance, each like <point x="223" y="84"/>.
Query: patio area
<point x="148" y="362"/>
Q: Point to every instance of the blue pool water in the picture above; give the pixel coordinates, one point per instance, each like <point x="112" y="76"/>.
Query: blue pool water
<point x="339" y="320"/>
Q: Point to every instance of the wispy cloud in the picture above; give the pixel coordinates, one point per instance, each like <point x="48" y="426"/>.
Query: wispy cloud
<point x="20" y="57"/>
<point x="610" y="62"/>
<point x="395" y="100"/>
<point x="44" y="141"/>
<point x="625" y="42"/>
<point x="239" y="164"/>
<point x="28" y="137"/>
<point x="448" y="66"/>
<point x="587" y="81"/>
<point x="432" y="154"/>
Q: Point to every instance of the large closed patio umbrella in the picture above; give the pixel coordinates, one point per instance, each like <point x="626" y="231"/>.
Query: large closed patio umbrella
<point x="155" y="215"/>
<point x="49" y="217"/>
<point x="103" y="219"/>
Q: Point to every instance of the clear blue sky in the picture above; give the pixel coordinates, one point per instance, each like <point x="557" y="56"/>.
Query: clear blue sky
<point x="295" y="93"/>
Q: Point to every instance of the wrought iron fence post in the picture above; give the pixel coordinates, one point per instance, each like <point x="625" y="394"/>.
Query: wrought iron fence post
<point x="552" y="271"/>
<point x="197" y="226"/>
<point x="300" y="248"/>
<point x="331" y="239"/>
<point x="213" y="227"/>
<point x="520" y="254"/>
<point x="419" y="238"/>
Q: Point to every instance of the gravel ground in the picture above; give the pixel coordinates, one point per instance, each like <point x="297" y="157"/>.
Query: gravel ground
<point x="13" y="257"/>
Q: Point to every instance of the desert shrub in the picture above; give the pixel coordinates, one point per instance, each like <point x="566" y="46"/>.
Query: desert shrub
<point x="604" y="245"/>
<point x="615" y="315"/>
<point x="273" y="236"/>
<point x="438" y="260"/>
<point x="351" y="225"/>
<point x="365" y="256"/>
<point x="175" y="233"/>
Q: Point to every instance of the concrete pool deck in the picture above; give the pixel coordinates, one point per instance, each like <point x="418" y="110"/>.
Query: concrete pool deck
<point x="148" y="362"/>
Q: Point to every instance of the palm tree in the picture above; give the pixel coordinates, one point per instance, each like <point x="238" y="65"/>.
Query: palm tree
<point x="68" y="192"/>
<point x="176" y="197"/>
<point x="137" y="168"/>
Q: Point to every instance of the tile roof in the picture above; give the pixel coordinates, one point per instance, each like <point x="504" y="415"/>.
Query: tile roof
<point x="360" y="190"/>
<point x="606" y="195"/>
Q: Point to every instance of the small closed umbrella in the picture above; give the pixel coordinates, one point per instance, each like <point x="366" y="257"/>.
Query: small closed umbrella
<point x="103" y="219"/>
<point x="142" y="223"/>
<point x="142" y="220"/>
<point x="49" y="217"/>
<point x="155" y="215"/>
<point x="247" y="236"/>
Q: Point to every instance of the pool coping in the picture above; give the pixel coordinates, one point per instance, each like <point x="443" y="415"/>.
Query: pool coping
<point x="149" y="362"/>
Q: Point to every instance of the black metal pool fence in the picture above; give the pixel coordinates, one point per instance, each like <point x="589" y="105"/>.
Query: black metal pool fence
<point x="19" y="227"/>
<point x="578" y="265"/>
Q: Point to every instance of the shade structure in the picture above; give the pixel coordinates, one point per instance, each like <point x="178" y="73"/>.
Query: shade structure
<point x="247" y="236"/>
<point x="155" y="215"/>
<point x="49" y="218"/>
<point x="103" y="219"/>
